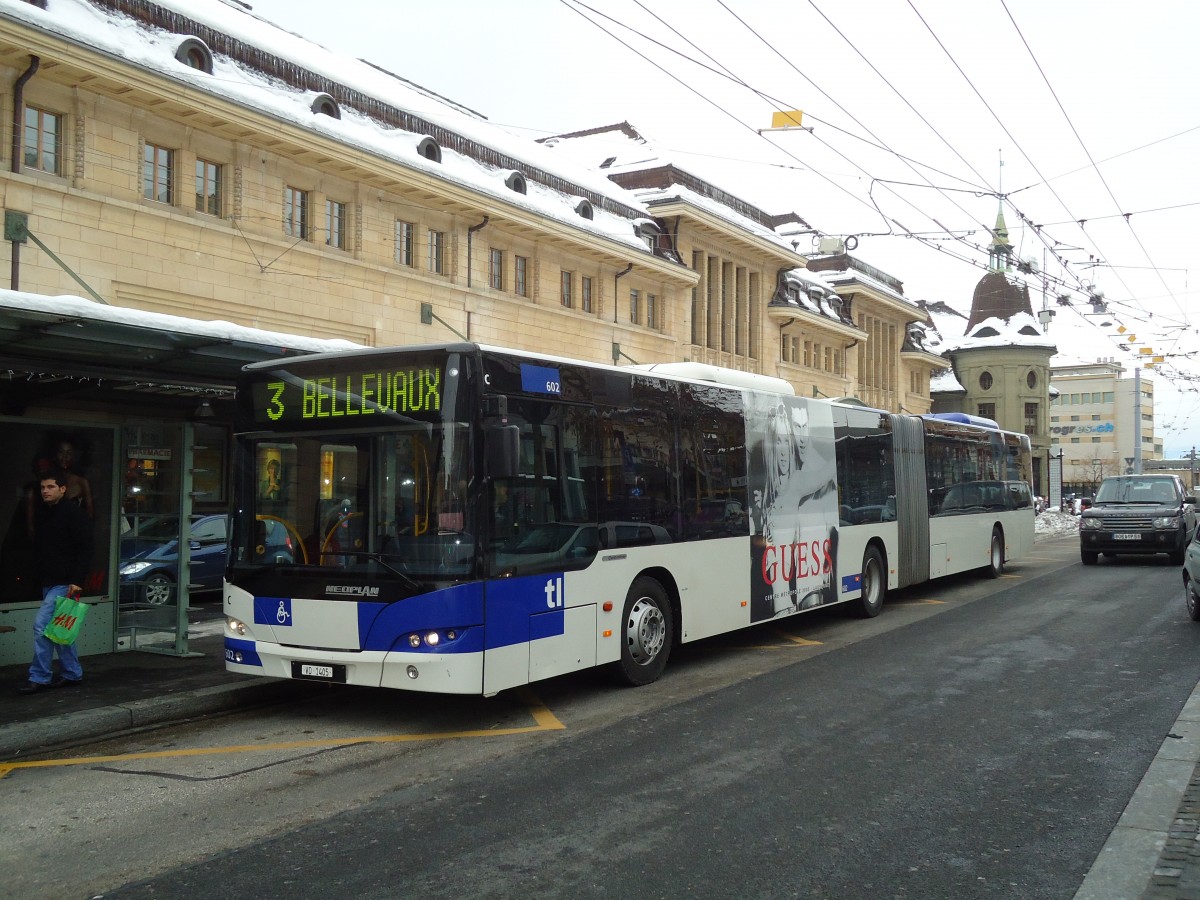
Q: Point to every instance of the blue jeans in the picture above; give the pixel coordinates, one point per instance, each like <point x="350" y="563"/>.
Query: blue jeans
<point x="42" y="669"/>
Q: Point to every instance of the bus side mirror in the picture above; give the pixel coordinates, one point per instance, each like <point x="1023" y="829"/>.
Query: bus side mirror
<point x="502" y="446"/>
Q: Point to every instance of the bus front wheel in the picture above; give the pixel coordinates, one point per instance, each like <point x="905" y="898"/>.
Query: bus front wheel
<point x="647" y="630"/>
<point x="874" y="585"/>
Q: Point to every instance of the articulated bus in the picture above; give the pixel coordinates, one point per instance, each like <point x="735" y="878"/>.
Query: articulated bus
<point x="464" y="519"/>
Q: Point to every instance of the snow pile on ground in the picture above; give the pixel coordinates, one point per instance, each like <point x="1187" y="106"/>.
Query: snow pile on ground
<point x="1053" y="521"/>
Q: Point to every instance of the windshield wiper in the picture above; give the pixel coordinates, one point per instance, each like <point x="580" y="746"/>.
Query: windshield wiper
<point x="378" y="557"/>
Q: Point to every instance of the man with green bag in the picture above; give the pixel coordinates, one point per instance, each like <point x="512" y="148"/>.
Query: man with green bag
<point x="62" y="552"/>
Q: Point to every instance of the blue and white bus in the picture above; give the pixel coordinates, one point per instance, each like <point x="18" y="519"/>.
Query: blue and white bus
<point x="465" y="519"/>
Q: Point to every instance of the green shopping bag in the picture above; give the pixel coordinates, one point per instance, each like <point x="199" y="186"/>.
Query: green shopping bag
<point x="68" y="618"/>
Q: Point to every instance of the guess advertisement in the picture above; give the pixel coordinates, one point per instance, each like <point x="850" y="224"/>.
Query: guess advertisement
<point x="794" y="516"/>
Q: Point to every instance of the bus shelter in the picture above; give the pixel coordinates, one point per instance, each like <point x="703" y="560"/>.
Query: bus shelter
<point x="136" y="407"/>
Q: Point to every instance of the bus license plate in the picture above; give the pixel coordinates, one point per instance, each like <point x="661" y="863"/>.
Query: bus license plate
<point x="1127" y="537"/>
<point x="315" y="672"/>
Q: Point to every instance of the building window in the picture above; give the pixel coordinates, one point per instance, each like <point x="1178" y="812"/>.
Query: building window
<point x="43" y="140"/>
<point x="651" y="311"/>
<point x="208" y="187"/>
<point x="987" y="410"/>
<point x="406" y="236"/>
<point x="635" y="303"/>
<point x="335" y="224"/>
<point x="585" y="293"/>
<point x="295" y="213"/>
<point x="985" y="381"/>
<point x="496" y="269"/>
<point x="1031" y="379"/>
<point x="1031" y="418"/>
<point x="158" y="182"/>
<point x="437" y="252"/>
<point x="565" y="290"/>
<point x="521" y="276"/>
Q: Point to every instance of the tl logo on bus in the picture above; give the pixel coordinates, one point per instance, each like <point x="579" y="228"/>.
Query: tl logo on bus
<point x="556" y="593"/>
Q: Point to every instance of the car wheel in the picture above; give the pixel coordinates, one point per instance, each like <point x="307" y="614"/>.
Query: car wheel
<point x="874" y="585"/>
<point x="158" y="589"/>
<point x="1089" y="557"/>
<point x="1190" y="600"/>
<point x="1175" y="557"/>
<point x="996" y="554"/>
<point x="647" y="631"/>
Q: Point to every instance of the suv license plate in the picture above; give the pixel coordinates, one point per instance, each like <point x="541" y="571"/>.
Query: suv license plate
<point x="314" y="672"/>
<point x="1127" y="537"/>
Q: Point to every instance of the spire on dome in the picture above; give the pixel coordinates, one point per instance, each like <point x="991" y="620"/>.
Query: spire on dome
<point x="1000" y="252"/>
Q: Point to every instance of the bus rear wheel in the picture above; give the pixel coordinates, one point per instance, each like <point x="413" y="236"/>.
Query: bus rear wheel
<point x="996" y="554"/>
<point x="647" y="631"/>
<point x="874" y="585"/>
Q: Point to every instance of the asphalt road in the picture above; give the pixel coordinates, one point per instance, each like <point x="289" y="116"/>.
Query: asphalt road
<point x="985" y="751"/>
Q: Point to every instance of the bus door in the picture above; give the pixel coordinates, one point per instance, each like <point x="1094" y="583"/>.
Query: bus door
<point x="542" y="524"/>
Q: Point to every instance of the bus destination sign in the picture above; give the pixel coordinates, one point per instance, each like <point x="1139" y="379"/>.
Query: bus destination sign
<point x="321" y="398"/>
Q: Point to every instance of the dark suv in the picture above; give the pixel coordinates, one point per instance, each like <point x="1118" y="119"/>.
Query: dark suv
<point x="1138" y="514"/>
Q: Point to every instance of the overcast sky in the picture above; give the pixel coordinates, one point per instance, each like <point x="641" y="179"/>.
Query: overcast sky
<point x="1091" y="106"/>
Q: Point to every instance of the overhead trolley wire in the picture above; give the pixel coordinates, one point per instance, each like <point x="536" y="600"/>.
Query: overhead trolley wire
<point x="1087" y="152"/>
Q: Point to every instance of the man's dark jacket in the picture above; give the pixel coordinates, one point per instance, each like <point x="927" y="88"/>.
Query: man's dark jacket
<point x="62" y="544"/>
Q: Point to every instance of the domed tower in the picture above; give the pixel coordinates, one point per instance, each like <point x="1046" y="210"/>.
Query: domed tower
<point x="1003" y="360"/>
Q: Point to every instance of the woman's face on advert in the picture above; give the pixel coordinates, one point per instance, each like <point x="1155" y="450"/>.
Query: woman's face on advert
<point x="783" y="443"/>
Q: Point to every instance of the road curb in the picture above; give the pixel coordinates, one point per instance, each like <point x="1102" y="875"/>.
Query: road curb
<point x="1130" y="857"/>
<point x="35" y="735"/>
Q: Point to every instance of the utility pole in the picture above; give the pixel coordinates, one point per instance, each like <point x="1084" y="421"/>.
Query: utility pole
<point x="1137" y="418"/>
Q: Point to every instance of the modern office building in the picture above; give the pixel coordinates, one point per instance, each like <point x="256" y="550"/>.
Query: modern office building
<point x="1101" y="423"/>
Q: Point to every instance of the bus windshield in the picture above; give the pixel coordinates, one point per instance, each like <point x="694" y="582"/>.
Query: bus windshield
<point x="391" y="505"/>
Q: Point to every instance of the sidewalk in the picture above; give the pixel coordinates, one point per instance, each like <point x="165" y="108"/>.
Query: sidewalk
<point x="127" y="690"/>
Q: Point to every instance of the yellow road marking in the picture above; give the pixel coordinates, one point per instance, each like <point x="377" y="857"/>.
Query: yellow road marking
<point x="803" y="642"/>
<point x="544" y="720"/>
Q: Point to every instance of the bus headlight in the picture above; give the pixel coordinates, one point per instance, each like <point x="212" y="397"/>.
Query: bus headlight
<point x="430" y="639"/>
<point x="235" y="626"/>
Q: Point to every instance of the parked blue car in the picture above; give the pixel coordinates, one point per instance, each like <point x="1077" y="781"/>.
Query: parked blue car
<point x="150" y="556"/>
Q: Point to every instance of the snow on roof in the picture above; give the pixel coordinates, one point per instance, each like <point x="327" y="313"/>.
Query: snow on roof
<point x="81" y="307"/>
<point x="153" y="49"/>
<point x="812" y="293"/>
<point x="615" y="148"/>
<point x="943" y="381"/>
<point x="652" y="196"/>
<point x="620" y="149"/>
<point x="849" y="276"/>
<point x="1019" y="330"/>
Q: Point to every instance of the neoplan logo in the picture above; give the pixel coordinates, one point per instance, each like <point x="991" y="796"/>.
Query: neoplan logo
<point x="354" y="590"/>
